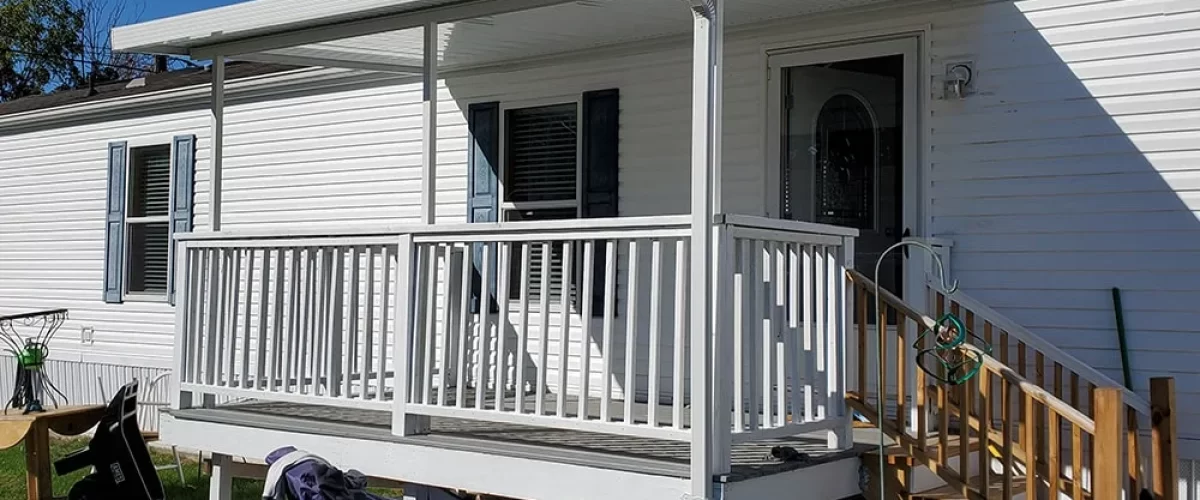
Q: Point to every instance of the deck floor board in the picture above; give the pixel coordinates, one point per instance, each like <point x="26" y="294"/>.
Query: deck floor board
<point x="653" y="456"/>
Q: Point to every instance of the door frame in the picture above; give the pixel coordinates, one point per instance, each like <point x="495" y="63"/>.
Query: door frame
<point x="914" y="206"/>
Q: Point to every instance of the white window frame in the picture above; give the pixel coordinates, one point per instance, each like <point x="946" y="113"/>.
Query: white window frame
<point x="506" y="206"/>
<point x="126" y="252"/>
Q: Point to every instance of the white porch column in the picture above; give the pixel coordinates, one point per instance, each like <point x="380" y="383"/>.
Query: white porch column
<point x="706" y="158"/>
<point x="429" y="127"/>
<point x="217" y="141"/>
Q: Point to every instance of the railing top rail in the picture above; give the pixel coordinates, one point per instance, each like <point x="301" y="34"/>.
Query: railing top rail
<point x="315" y="231"/>
<point x="1132" y="399"/>
<point x="756" y="222"/>
<point x="327" y="231"/>
<point x="555" y="226"/>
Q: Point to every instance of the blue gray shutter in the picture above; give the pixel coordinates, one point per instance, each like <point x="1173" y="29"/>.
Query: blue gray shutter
<point x="183" y="171"/>
<point x="483" y="163"/>
<point x="601" y="135"/>
<point x="114" y="224"/>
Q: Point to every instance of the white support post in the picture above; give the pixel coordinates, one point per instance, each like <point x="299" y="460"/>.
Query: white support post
<point x="838" y="370"/>
<point x="404" y="423"/>
<point x="706" y="135"/>
<point x="217" y="141"/>
<point x="429" y="126"/>
<point x="184" y="316"/>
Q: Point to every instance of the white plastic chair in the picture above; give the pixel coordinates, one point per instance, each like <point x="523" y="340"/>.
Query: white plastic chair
<point x="149" y="407"/>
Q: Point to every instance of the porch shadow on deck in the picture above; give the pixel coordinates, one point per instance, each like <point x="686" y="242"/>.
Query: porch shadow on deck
<point x="631" y="454"/>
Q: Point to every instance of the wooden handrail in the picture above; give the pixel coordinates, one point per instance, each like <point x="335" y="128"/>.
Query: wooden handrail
<point x="994" y="365"/>
<point x="1050" y="351"/>
<point x="1030" y="441"/>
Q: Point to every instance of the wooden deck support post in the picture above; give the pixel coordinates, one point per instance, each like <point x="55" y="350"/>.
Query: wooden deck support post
<point x="1108" y="446"/>
<point x="707" y="47"/>
<point x="1165" y="455"/>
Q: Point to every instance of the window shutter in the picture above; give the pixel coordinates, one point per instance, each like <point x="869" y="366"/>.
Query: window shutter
<point x="601" y="135"/>
<point x="483" y="123"/>
<point x="114" y="224"/>
<point x="183" y="171"/>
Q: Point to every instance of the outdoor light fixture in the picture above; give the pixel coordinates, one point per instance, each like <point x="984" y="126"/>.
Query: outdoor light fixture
<point x="960" y="79"/>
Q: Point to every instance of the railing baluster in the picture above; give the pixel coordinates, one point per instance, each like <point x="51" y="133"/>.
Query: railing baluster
<point x="386" y="255"/>
<point x="610" y="317"/>
<point x="564" y="329"/>
<point x="503" y="323"/>
<point x="455" y="353"/>
<point x="543" y="329"/>
<point x="1006" y="418"/>
<point x="655" y="334"/>
<point x="811" y="358"/>
<point x="246" y="324"/>
<point x="289" y="365"/>
<point x="446" y="338"/>
<point x="275" y="360"/>
<point x="194" y="315"/>
<point x="264" y="295"/>
<point x="984" y="385"/>
<point x="232" y="326"/>
<point x="321" y="328"/>
<point x="585" y="345"/>
<point x="369" y="318"/>
<point x="339" y="382"/>
<point x="1076" y="461"/>
<point x="631" y="331"/>
<point x="741" y="332"/>
<point x="680" y="364"/>
<point x="1053" y="468"/>
<point x="793" y="345"/>
<point x="429" y="321"/>
<point x="754" y="357"/>
<point x="485" y="327"/>
<point x="835" y="278"/>
<point x="780" y="332"/>
<point x="309" y="314"/>
<point x="355" y="367"/>
<point x="522" y="347"/>
<point x="205" y="370"/>
<point x="819" y="338"/>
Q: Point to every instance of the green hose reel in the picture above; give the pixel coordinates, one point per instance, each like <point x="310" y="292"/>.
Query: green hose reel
<point x="949" y="361"/>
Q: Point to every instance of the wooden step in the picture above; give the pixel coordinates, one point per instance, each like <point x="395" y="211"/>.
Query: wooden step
<point x="995" y="490"/>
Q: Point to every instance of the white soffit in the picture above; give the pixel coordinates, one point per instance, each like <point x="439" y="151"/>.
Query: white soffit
<point x="555" y="29"/>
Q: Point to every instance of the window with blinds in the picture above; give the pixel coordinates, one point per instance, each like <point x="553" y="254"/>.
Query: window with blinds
<point x="148" y="219"/>
<point x="541" y="172"/>
<point x="541" y="160"/>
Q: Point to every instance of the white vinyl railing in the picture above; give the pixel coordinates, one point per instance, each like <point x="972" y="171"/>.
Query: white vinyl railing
<point x="789" y="315"/>
<point x="288" y="319"/>
<point x="569" y="324"/>
<point x="579" y="324"/>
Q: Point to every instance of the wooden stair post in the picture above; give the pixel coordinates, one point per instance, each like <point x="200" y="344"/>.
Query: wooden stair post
<point x="1108" y="450"/>
<point x="1164" y="457"/>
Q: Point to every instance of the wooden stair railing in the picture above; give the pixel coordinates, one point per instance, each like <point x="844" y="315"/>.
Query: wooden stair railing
<point x="1040" y="435"/>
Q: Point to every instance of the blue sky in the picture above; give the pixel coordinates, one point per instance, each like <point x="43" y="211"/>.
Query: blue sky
<point x="155" y="9"/>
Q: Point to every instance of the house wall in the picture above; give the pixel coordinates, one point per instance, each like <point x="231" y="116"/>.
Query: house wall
<point x="1068" y="171"/>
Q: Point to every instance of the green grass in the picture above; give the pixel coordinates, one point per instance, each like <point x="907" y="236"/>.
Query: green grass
<point x="12" y="475"/>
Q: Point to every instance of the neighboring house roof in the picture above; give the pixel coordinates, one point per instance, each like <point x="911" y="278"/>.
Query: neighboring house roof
<point x="148" y="84"/>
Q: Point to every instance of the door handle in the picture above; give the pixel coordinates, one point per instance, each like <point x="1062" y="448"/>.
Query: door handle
<point x="907" y="233"/>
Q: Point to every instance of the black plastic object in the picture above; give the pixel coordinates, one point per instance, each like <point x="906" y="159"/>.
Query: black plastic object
<point x="124" y="470"/>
